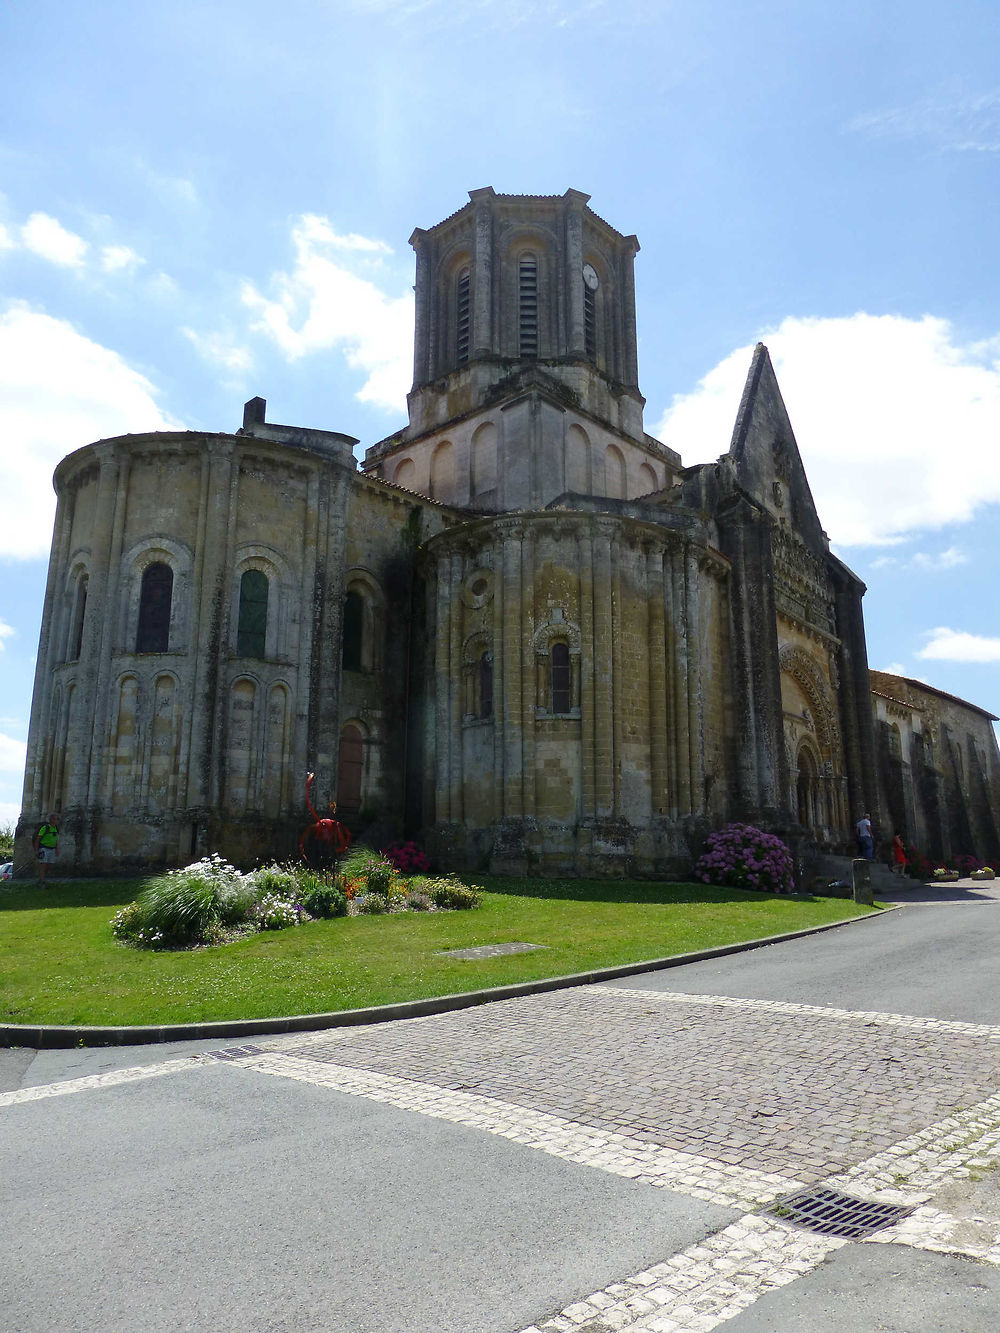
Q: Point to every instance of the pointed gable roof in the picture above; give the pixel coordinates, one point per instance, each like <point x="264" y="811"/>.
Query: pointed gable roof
<point x="766" y="457"/>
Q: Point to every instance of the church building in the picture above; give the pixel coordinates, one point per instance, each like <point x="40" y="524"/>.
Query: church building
<point x="521" y="631"/>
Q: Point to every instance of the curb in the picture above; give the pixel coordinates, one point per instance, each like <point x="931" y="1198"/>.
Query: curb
<point x="52" y="1037"/>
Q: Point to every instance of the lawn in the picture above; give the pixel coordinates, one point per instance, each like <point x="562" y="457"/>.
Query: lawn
<point x="59" y="963"/>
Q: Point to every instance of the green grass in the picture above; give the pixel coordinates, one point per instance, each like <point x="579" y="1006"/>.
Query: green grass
<point x="60" y="964"/>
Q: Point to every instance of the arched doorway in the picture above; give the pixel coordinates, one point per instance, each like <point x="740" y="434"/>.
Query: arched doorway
<point x="807" y="790"/>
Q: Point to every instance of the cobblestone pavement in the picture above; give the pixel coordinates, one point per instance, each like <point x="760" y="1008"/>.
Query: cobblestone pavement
<point x="770" y="1087"/>
<point x="734" y="1101"/>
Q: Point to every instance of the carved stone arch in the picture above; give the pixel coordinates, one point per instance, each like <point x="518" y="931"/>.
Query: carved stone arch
<point x="477" y="675"/>
<point x="557" y="646"/>
<point x="807" y="674"/>
<point x="442" y="479"/>
<point x="546" y="634"/>
<point x="405" y="474"/>
<point x="810" y="805"/>
<point x="579" y="464"/>
<point x="483" y="462"/>
<point x="615" y="473"/>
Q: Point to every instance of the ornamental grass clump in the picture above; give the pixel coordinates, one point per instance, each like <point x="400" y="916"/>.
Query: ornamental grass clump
<point x="183" y="907"/>
<point x="743" y="857"/>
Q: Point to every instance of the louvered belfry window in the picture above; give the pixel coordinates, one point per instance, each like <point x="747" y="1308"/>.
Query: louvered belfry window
<point x="462" y="321"/>
<point x="590" y="323"/>
<point x="527" y="280"/>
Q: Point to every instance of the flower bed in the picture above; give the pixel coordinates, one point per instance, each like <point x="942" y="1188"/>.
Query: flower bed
<point x="211" y="902"/>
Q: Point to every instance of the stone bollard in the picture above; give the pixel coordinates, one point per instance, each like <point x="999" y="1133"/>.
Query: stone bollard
<point x="861" y="878"/>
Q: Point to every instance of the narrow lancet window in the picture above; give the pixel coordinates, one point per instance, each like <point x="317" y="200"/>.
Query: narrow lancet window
<point x="353" y="637"/>
<point x="79" y="615"/>
<point x="251" y="638"/>
<point x="560" y="678"/>
<point x="486" y="685"/>
<point x="153" y="632"/>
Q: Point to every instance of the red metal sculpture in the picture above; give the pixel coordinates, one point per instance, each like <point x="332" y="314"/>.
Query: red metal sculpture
<point x="329" y="833"/>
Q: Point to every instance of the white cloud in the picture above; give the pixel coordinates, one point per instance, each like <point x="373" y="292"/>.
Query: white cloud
<point x="331" y="299"/>
<point x="221" y="349"/>
<point x="47" y="237"/>
<point x="116" y="258"/>
<point x="12" y="754"/>
<point x="9" y="812"/>
<point x="964" y="125"/>
<point x="896" y="421"/>
<point x="58" y="391"/>
<point x="927" y="562"/>
<point x="951" y="645"/>
<point x="5" y="632"/>
<point x="6" y="239"/>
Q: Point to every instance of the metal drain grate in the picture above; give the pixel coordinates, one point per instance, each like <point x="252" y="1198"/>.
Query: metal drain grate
<point x="833" y="1214"/>
<point x="235" y="1052"/>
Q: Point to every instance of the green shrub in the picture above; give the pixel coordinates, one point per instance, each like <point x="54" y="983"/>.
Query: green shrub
<point x="419" y="902"/>
<point x="324" y="900"/>
<point x="447" y="891"/>
<point x="6" y="842"/>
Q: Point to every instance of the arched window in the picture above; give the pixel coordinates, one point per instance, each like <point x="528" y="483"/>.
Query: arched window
<point x="560" y="677"/>
<point x="462" y="318"/>
<point x="251" y="636"/>
<point x="350" y="773"/>
<point x="485" y="682"/>
<point x="527" y="297"/>
<point x="79" y="615"/>
<point x="153" y="631"/>
<point x="352" y="646"/>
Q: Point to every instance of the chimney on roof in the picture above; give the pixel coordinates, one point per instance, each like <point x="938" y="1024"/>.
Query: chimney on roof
<point x="253" y="413"/>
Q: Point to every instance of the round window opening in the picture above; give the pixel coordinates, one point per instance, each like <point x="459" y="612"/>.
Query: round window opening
<point x="479" y="587"/>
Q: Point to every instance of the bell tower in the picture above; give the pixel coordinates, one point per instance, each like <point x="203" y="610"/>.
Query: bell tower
<point x="522" y="299"/>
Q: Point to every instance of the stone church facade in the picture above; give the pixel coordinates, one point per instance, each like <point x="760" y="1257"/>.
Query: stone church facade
<point x="522" y="631"/>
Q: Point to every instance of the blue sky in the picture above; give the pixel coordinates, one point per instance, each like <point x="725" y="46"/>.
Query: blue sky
<point x="201" y="202"/>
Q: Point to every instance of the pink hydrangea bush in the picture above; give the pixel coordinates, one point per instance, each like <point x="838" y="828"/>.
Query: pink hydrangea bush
<point x="407" y="858"/>
<point x="743" y="857"/>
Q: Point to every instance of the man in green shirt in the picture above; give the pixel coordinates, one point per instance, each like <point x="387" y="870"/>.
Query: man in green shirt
<point x="46" y="845"/>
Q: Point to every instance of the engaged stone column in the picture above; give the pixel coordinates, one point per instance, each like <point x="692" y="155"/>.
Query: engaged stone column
<point x="482" y="273"/>
<point x="574" y="273"/>
<point x="422" y="320"/>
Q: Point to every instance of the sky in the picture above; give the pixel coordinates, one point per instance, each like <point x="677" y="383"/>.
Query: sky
<point x="201" y="202"/>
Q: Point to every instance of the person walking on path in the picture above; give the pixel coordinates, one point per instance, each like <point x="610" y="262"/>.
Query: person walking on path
<point x="866" y="841"/>
<point x="898" y="855"/>
<point x="46" y="845"/>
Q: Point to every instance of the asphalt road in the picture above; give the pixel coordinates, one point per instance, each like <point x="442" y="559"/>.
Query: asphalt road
<point x="218" y="1196"/>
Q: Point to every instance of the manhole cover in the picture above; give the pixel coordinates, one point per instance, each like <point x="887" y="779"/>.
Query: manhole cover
<point x="490" y="950"/>
<point x="834" y="1214"/>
